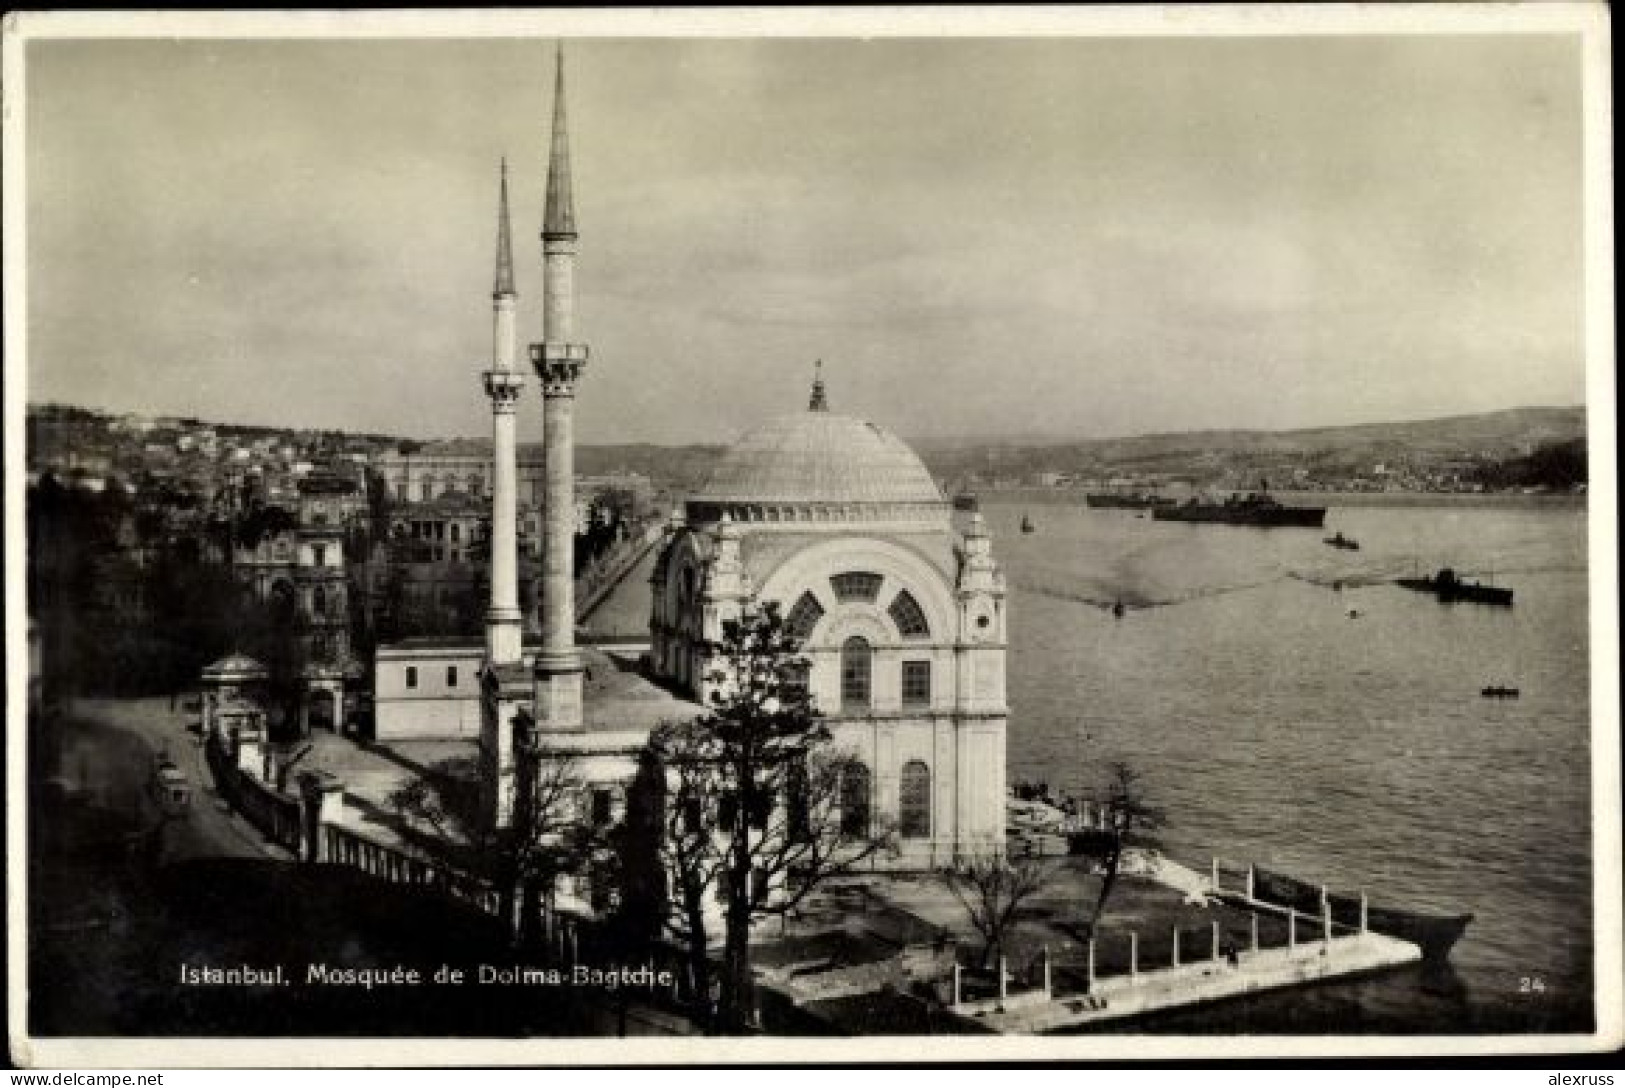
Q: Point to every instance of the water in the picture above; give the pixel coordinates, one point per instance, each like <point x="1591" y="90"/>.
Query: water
<point x="1275" y="727"/>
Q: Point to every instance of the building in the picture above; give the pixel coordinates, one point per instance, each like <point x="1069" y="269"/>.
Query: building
<point x="902" y="618"/>
<point x="299" y="566"/>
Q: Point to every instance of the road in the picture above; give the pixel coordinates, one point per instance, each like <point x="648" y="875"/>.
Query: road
<point x="106" y="767"/>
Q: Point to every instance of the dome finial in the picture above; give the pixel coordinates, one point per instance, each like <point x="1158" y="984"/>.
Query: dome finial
<point x="818" y="403"/>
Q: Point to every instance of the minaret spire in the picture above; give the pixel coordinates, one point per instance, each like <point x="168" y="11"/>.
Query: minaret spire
<point x="559" y="220"/>
<point x="504" y="276"/>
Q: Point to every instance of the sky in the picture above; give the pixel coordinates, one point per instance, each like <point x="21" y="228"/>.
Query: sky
<point x="1057" y="237"/>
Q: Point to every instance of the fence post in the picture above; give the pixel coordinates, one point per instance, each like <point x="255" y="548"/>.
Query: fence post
<point x="1176" y="946"/>
<point x="1292" y="927"/>
<point x="1326" y="921"/>
<point x="1133" y="956"/>
<point x="1049" y="990"/>
<point x="249" y="758"/>
<point x="1215" y="941"/>
<point x="1254" y="918"/>
<point x="1363" y="906"/>
<point x="1091" y="964"/>
<point x="321" y="802"/>
<point x="958" y="970"/>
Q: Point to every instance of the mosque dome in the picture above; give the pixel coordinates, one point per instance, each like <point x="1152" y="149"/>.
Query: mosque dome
<point x="818" y="458"/>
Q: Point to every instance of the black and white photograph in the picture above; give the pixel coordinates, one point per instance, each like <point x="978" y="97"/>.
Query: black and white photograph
<point x="612" y="537"/>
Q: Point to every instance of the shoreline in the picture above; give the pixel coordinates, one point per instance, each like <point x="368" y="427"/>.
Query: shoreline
<point x="1492" y="500"/>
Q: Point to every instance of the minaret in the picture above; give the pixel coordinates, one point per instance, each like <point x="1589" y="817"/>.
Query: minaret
<point x="502" y="385"/>
<point x="559" y="360"/>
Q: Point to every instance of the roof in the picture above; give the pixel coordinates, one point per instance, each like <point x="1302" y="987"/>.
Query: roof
<point x="820" y="457"/>
<point x="235" y="667"/>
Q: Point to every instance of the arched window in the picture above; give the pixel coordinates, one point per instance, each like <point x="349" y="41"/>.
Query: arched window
<point x="855" y="800"/>
<point x="804" y="616"/>
<point x="914" y="807"/>
<point x="857" y="674"/>
<point x="856" y="585"/>
<point x="909" y="617"/>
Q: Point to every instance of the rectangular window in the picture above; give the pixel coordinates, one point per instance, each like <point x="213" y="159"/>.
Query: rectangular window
<point x="856" y="585"/>
<point x="411" y="676"/>
<point x="451" y="676"/>
<point x="916" y="683"/>
<point x="601" y="807"/>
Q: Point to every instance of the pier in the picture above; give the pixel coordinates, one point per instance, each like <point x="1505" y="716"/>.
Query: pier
<point x="1248" y="945"/>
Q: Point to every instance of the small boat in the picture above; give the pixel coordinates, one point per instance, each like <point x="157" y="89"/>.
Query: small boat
<point x="1435" y="934"/>
<point x="967" y="501"/>
<point x="1027" y="524"/>
<point x="1117" y="609"/>
<point x="1449" y="588"/>
<point x="1498" y="691"/>
<point x="1338" y="540"/>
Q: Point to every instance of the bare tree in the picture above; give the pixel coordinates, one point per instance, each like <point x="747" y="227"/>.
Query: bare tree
<point x="684" y="758"/>
<point x="992" y="891"/>
<point x="1128" y="812"/>
<point x="548" y="836"/>
<point x="754" y="802"/>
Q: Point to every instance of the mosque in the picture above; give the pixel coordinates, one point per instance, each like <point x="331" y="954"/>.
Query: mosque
<point x="902" y="614"/>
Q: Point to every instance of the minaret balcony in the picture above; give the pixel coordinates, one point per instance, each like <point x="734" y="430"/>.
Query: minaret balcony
<point x="549" y="353"/>
<point x="559" y="366"/>
<point x="503" y="384"/>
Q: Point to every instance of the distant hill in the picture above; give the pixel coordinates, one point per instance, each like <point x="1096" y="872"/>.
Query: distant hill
<point x="1514" y="432"/>
<point x="1330" y="452"/>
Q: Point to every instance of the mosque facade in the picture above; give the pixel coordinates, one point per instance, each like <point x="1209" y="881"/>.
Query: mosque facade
<point x="901" y="617"/>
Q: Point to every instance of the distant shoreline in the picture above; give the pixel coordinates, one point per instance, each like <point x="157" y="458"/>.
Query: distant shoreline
<point x="1055" y="496"/>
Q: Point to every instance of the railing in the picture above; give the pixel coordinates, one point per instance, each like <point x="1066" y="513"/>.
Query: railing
<point x="284" y="821"/>
<point x="277" y="817"/>
<point x="599" y="580"/>
<point x="347" y="846"/>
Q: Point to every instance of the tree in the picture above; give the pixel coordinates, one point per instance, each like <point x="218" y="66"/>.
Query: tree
<point x="752" y="788"/>
<point x="992" y="891"/>
<point x="1127" y="811"/>
<point x="547" y="837"/>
